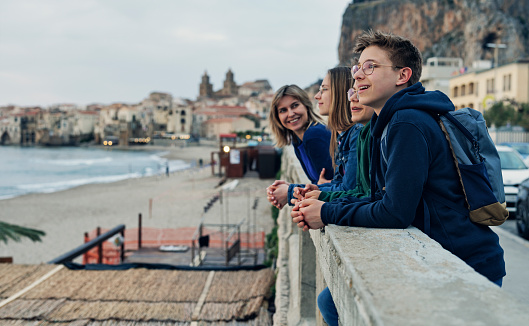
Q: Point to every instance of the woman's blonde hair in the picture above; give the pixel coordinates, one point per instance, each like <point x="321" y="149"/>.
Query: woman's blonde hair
<point x="283" y="135"/>
<point x="339" y="112"/>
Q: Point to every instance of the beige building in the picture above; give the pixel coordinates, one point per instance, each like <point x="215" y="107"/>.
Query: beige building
<point x="481" y="89"/>
<point x="84" y="122"/>
<point x="210" y="121"/>
<point x="212" y="128"/>
<point x="437" y="71"/>
<point x="181" y="117"/>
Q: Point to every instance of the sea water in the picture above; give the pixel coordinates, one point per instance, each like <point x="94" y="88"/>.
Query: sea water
<point x="25" y="170"/>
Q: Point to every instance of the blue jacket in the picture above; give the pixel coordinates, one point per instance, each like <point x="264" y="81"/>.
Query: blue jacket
<point x="411" y="162"/>
<point x="345" y="161"/>
<point x="313" y="152"/>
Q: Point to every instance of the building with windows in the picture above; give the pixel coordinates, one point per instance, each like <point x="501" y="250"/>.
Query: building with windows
<point x="224" y="119"/>
<point x="437" y="71"/>
<point x="480" y="89"/>
<point x="181" y="118"/>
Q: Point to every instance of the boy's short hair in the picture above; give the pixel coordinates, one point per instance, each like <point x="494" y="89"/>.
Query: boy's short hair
<point x="400" y="51"/>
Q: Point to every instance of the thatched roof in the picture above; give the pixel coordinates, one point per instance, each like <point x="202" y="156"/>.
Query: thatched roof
<point x="134" y="297"/>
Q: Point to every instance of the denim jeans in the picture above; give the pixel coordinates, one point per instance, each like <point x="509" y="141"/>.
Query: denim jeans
<point x="328" y="309"/>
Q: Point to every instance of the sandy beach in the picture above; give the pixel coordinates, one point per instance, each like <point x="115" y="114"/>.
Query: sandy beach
<point x="178" y="200"/>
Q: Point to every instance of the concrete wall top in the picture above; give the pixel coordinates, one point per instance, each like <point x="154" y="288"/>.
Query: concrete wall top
<point x="403" y="277"/>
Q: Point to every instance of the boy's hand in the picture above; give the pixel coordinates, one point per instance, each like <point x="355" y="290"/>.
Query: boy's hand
<point x="310" y="209"/>
<point x="322" y="177"/>
<point x="297" y="217"/>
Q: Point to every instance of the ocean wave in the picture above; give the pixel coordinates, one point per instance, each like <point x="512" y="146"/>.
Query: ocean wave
<point x="2" y="197"/>
<point x="79" y="162"/>
<point x="67" y="184"/>
<point x="158" y="157"/>
<point x="68" y="171"/>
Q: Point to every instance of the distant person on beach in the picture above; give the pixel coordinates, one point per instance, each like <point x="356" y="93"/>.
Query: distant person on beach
<point x="293" y="121"/>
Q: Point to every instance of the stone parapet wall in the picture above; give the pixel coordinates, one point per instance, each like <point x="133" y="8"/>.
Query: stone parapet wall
<point x="380" y="277"/>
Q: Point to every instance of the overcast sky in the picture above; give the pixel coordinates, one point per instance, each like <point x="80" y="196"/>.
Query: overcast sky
<point x="107" y="51"/>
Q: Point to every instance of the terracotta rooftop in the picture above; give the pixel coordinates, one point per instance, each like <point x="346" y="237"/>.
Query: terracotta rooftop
<point x="137" y="296"/>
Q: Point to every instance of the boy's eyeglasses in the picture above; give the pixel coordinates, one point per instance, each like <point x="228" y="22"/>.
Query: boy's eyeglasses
<point x="368" y="67"/>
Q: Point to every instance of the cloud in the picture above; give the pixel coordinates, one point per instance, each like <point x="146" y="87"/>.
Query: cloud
<point x="193" y="36"/>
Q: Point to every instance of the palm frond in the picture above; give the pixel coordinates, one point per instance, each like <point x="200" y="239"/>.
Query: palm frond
<point x="16" y="232"/>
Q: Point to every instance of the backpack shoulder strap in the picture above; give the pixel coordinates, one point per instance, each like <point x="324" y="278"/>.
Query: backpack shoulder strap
<point x="475" y="144"/>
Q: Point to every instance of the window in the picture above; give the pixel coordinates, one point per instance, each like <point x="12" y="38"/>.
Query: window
<point x="463" y="90"/>
<point x="507" y="82"/>
<point x="455" y="91"/>
<point x="183" y="112"/>
<point x="490" y="86"/>
<point x="183" y="121"/>
<point x="471" y="105"/>
<point x="471" y="88"/>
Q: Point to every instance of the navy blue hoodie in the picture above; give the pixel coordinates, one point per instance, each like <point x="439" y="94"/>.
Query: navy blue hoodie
<point x="411" y="162"/>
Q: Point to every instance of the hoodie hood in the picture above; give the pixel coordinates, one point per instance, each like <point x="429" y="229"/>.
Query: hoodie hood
<point x="413" y="97"/>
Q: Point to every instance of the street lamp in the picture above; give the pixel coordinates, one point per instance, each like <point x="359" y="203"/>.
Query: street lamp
<point x="496" y="46"/>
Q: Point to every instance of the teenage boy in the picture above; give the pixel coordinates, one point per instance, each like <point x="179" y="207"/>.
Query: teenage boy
<point x="411" y="164"/>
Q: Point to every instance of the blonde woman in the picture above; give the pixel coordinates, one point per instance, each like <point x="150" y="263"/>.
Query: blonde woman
<point x="294" y="122"/>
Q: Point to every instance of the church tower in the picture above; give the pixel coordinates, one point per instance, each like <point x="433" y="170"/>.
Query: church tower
<point x="206" y="89"/>
<point x="230" y="88"/>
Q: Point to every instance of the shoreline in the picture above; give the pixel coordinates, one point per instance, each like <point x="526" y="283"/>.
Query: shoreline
<point x="187" y="154"/>
<point x="164" y="201"/>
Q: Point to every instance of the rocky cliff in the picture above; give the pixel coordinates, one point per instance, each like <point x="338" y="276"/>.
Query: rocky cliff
<point x="443" y="28"/>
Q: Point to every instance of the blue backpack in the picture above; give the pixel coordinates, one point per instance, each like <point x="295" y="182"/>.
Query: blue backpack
<point x="478" y="165"/>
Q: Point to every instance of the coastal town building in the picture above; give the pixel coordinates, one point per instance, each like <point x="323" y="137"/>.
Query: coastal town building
<point x="206" y="88"/>
<point x="481" y="88"/>
<point x="437" y="71"/>
<point x="256" y="88"/>
<point x="180" y="119"/>
<point x="56" y="128"/>
<point x="230" y="87"/>
<point x="161" y="106"/>
<point x="212" y="128"/>
<point x="122" y="121"/>
<point x="218" y="117"/>
<point x="84" y="123"/>
<point x="19" y="126"/>
<point x="10" y="130"/>
<point x="232" y="109"/>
